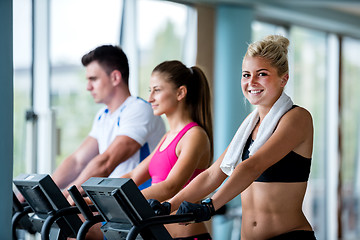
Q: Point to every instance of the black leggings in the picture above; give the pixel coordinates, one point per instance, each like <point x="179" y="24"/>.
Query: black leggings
<point x="204" y="236"/>
<point x="296" y="235"/>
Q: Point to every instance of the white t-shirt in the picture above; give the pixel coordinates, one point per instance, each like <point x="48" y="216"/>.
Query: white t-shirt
<point x="135" y="119"/>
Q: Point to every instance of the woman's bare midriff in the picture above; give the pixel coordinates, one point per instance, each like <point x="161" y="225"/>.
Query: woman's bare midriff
<point x="272" y="212"/>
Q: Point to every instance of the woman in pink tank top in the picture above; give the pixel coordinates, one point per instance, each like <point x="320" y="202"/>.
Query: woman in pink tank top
<point x="183" y="95"/>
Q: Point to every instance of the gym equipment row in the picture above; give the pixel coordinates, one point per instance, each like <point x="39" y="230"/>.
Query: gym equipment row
<point x="117" y="203"/>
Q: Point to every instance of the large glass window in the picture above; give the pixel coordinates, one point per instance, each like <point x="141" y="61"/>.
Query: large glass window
<point x="308" y="76"/>
<point x="350" y="139"/>
<point x="161" y="36"/>
<point x="76" y="28"/>
<point x="22" y="45"/>
<point x="261" y="29"/>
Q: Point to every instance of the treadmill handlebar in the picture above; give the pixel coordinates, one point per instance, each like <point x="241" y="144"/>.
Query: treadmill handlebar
<point x="156" y="220"/>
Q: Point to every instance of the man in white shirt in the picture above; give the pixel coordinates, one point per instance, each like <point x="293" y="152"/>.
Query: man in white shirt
<point x="124" y="132"/>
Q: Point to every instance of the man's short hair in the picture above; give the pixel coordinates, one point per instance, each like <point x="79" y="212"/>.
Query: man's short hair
<point x="110" y="58"/>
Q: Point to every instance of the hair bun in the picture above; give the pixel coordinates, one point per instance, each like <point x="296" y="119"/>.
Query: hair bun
<point x="279" y="40"/>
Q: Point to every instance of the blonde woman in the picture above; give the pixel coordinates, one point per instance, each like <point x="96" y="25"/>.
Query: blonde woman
<point x="268" y="161"/>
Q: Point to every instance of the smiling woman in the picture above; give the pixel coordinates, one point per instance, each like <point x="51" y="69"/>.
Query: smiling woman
<point x="268" y="161"/>
<point x="262" y="68"/>
<point x="160" y="91"/>
<point x="260" y="80"/>
<point x="183" y="95"/>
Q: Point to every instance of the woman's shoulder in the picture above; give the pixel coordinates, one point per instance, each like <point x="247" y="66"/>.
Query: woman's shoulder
<point x="196" y="129"/>
<point x="298" y="117"/>
<point x="298" y="112"/>
<point x="196" y="135"/>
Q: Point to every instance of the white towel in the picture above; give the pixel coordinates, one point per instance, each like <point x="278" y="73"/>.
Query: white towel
<point x="234" y="154"/>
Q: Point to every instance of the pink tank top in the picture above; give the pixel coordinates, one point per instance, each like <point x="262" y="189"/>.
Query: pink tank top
<point x="163" y="161"/>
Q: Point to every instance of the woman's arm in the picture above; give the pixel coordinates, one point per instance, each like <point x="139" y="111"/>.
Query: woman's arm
<point x="294" y="133"/>
<point x="140" y="173"/>
<point x="193" y="151"/>
<point x="201" y="186"/>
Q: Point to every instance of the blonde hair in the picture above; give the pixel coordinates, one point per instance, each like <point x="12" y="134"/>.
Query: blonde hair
<point x="273" y="48"/>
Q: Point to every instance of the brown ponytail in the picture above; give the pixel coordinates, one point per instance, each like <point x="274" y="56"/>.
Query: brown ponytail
<point x="198" y="98"/>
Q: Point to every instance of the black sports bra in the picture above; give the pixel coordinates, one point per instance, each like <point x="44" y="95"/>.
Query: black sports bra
<point x="292" y="168"/>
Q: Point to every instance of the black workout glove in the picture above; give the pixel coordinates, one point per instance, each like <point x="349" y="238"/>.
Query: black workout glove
<point x="202" y="212"/>
<point x="160" y="208"/>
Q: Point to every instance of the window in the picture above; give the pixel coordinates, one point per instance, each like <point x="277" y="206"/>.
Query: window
<point x="350" y="139"/>
<point x="22" y="78"/>
<point x="161" y="36"/>
<point x="87" y="24"/>
<point x="309" y="79"/>
<point x="261" y="29"/>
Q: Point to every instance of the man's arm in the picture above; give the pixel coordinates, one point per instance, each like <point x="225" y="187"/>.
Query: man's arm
<point x="72" y="166"/>
<point x="102" y="165"/>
